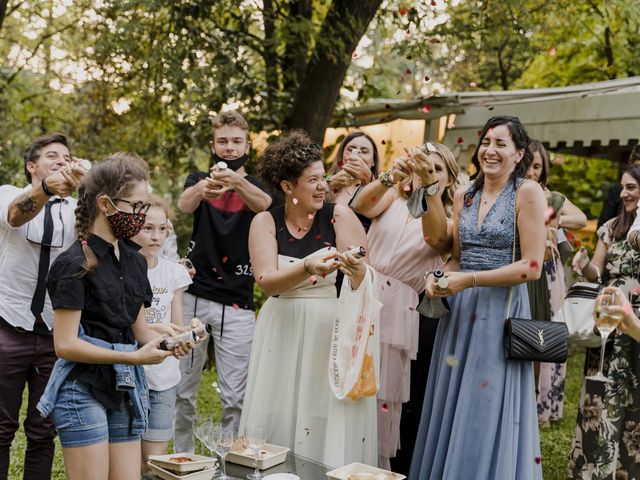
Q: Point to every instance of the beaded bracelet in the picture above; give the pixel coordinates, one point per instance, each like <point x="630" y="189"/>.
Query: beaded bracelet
<point x="306" y="269"/>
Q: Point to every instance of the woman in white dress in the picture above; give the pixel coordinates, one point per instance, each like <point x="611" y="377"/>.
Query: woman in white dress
<point x="295" y="254"/>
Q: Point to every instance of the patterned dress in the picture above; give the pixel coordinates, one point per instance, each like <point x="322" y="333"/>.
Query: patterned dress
<point x="607" y="439"/>
<point x="552" y="375"/>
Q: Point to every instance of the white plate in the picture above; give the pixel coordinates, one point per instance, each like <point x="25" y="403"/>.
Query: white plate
<point x="204" y="474"/>
<point x="282" y="476"/>
<point x="270" y="455"/>
<point x="198" y="462"/>
<point x="343" y="473"/>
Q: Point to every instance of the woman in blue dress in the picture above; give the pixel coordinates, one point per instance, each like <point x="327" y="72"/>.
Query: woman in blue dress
<point x="479" y="417"/>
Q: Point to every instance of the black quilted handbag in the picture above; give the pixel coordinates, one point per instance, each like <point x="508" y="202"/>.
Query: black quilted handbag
<point x="535" y="340"/>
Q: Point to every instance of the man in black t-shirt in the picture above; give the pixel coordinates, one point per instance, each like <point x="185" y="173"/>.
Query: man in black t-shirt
<point x="223" y="202"/>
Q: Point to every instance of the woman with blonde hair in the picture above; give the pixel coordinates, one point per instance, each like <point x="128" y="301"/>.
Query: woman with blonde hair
<point x="400" y="252"/>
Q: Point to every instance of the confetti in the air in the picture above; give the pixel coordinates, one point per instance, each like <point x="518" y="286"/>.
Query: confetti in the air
<point x="224" y="259"/>
<point x="313" y="279"/>
<point x="552" y="51"/>
<point x="295" y="201"/>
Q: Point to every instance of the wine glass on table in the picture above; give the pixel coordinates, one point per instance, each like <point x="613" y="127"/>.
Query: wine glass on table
<point x="254" y="440"/>
<point x="201" y="423"/>
<point x="224" y="438"/>
<point x="606" y="321"/>
<point x="209" y="440"/>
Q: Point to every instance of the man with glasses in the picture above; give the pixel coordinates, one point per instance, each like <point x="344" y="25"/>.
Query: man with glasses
<point x="37" y="223"/>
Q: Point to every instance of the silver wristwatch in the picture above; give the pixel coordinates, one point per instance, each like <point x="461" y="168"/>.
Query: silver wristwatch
<point x="432" y="189"/>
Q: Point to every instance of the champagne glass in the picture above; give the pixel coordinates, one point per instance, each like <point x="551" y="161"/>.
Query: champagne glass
<point x="254" y="440"/>
<point x="607" y="321"/>
<point x="209" y="440"/>
<point x="200" y="425"/>
<point x="224" y="438"/>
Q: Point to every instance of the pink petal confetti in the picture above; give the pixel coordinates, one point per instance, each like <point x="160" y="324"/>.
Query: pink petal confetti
<point x="537" y="460"/>
<point x="484" y="384"/>
<point x="406" y="188"/>
<point x="427" y="78"/>
<point x="383" y="142"/>
<point x="261" y="276"/>
<point x="318" y="237"/>
<point x="224" y="259"/>
<point x="425" y="109"/>
<point x="291" y="239"/>
<point x="295" y="201"/>
<point x="479" y="132"/>
<point x="403" y="11"/>
<point x="214" y="269"/>
<point x="355" y="55"/>
<point x="451" y="360"/>
<point x="408" y="71"/>
<point x="548" y="213"/>
<point x="460" y="141"/>
<point x="310" y="216"/>
<point x="333" y="219"/>
<point x="374" y="199"/>
<point x="426" y="238"/>
<point x="235" y="306"/>
<point x="220" y="277"/>
<point x="313" y="279"/>
<point x="384" y="407"/>
<point x="553" y="51"/>
<point x="533" y="264"/>
<point x="433" y="3"/>
<point x="407" y="33"/>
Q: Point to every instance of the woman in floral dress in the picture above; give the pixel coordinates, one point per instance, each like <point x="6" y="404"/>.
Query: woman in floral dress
<point x="547" y="293"/>
<point x="607" y="439"/>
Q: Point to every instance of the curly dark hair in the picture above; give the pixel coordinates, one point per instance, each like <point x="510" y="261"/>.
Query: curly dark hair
<point x="287" y="157"/>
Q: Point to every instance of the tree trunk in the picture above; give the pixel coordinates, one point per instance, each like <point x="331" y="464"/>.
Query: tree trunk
<point x="296" y="53"/>
<point x="344" y="25"/>
<point x="3" y="11"/>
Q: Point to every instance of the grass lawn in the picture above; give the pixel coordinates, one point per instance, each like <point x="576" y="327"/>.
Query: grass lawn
<point x="555" y="441"/>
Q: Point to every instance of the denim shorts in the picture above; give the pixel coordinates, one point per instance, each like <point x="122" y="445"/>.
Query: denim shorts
<point x="82" y="420"/>
<point x="162" y="410"/>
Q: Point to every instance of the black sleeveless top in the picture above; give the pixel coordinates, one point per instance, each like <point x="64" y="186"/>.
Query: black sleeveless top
<point x="320" y="235"/>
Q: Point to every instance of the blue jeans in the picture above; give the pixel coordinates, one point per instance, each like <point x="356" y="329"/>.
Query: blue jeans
<point x="162" y="410"/>
<point x="82" y="420"/>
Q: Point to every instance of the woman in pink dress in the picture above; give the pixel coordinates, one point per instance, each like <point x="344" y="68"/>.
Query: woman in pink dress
<point x="401" y="253"/>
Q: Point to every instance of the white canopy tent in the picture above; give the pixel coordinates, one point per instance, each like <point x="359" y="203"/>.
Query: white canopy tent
<point x="595" y="119"/>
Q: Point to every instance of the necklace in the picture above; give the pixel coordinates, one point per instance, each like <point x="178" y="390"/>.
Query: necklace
<point x="299" y="228"/>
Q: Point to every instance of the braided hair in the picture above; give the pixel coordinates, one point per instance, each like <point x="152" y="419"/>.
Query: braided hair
<point x="114" y="177"/>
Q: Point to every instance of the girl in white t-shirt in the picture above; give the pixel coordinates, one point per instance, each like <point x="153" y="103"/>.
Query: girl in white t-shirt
<point x="168" y="280"/>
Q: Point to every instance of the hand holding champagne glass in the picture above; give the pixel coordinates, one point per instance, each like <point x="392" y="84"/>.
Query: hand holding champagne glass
<point x="607" y="319"/>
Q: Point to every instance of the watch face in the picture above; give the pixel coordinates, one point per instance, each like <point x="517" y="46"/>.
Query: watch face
<point x="432" y="189"/>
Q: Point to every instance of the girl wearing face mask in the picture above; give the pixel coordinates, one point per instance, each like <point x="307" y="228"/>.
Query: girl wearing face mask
<point x="97" y="394"/>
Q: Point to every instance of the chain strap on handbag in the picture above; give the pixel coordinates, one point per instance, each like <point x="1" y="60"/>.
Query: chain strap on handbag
<point x="527" y="339"/>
